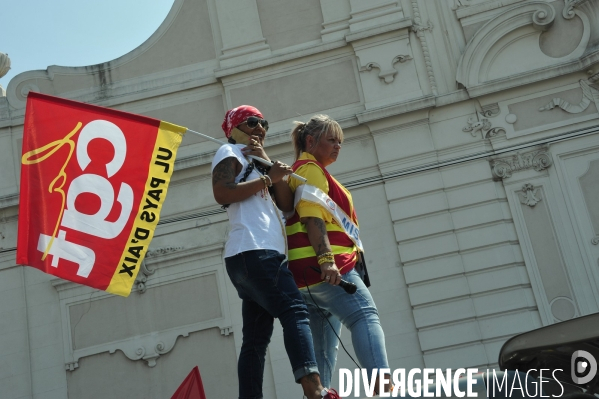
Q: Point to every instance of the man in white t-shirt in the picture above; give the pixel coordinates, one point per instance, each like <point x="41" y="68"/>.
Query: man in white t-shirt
<point x="255" y="255"/>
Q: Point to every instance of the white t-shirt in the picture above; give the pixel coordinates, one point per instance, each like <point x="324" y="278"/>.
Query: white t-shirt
<point x="255" y="222"/>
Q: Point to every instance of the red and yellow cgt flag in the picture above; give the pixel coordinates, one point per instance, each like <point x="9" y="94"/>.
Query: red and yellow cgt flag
<point x="93" y="181"/>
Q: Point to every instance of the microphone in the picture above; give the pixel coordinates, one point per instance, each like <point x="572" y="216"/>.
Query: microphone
<point x="350" y="288"/>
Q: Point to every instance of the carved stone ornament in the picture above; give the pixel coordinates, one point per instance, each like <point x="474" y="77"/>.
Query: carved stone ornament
<point x="569" y="7"/>
<point x="490" y="45"/>
<point x="530" y="195"/>
<point x="71" y="366"/>
<point x="491" y="110"/>
<point x="4" y="64"/>
<point x="148" y="350"/>
<point x="482" y="125"/>
<point x="503" y="168"/>
<point x="387" y="74"/>
<point x="145" y="271"/>
<point x="418" y="28"/>
<point x="543" y="19"/>
<point x="162" y="251"/>
<point x="589" y="95"/>
<point x="29" y="87"/>
<point x="142" y="277"/>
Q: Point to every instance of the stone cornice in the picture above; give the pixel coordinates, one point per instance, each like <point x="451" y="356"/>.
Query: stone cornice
<point x="396" y="109"/>
<point x="463" y="12"/>
<point x="379" y="30"/>
<point x="9" y="200"/>
<point x="120" y="92"/>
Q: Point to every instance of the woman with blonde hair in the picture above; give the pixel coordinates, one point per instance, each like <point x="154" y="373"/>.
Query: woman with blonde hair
<point x="324" y="248"/>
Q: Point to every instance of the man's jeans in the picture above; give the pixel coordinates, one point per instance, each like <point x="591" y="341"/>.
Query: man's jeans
<point x="357" y="313"/>
<point x="268" y="291"/>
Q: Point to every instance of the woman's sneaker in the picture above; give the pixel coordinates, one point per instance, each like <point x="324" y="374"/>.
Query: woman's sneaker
<point x="330" y="394"/>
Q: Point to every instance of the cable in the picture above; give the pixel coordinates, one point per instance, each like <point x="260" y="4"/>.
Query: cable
<point x="430" y="166"/>
<point x="330" y="325"/>
<point x="326" y="318"/>
<point x="348" y="287"/>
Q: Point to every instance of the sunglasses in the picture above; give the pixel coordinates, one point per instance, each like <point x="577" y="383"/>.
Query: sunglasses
<point x="253" y="121"/>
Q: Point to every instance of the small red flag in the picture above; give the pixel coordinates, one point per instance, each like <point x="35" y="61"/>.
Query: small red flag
<point x="191" y="387"/>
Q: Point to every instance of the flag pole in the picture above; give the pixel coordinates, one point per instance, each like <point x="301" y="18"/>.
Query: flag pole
<point x="264" y="161"/>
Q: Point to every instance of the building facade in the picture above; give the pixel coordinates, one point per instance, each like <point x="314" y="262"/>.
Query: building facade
<point x="471" y="150"/>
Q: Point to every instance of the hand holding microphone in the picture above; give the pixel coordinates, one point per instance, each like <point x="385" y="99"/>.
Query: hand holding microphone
<point x="350" y="288"/>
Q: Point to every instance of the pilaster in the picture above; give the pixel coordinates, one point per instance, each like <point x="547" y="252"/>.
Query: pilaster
<point x="241" y="32"/>
<point x="373" y="13"/>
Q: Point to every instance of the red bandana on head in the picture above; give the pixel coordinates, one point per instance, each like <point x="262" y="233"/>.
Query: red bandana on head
<point x="235" y="116"/>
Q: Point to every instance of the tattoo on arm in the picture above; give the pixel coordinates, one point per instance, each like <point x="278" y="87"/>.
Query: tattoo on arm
<point x="225" y="172"/>
<point x="321" y="246"/>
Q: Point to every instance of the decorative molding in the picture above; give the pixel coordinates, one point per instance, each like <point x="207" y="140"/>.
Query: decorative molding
<point x="511" y="118"/>
<point x="589" y="95"/>
<point x="543" y="19"/>
<point x="150" y="344"/>
<point x="258" y="45"/>
<point x="461" y="3"/>
<point x="378" y="30"/>
<point x="530" y="195"/>
<point x="483" y="125"/>
<point x="150" y="349"/>
<point x="376" y="11"/>
<point x="142" y="277"/>
<point x="395" y="109"/>
<point x="387" y="74"/>
<point x="71" y="366"/>
<point x="470" y="3"/>
<point x="162" y="251"/>
<point x="474" y="126"/>
<point x="469" y="8"/>
<point x="501" y="32"/>
<point x="569" y="9"/>
<point x="419" y="30"/>
<point x="567" y="300"/>
<point x="226" y="331"/>
<point x="491" y="110"/>
<point x="29" y="87"/>
<point x="503" y="168"/>
<point x="9" y="200"/>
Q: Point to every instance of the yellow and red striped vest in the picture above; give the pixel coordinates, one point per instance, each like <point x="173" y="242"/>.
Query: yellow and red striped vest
<point x="301" y="254"/>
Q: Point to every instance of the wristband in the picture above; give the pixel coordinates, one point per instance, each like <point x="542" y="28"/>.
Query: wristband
<point x="325" y="259"/>
<point x="269" y="179"/>
<point x="324" y="254"/>
<point x="264" y="181"/>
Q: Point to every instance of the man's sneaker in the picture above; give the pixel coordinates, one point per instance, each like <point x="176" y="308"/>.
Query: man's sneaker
<point x="330" y="394"/>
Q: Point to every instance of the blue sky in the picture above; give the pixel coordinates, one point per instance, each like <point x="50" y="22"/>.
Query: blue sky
<point x="39" y="33"/>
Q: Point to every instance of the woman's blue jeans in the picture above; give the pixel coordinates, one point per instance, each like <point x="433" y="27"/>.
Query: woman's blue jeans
<point x="268" y="291"/>
<point x="357" y="313"/>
